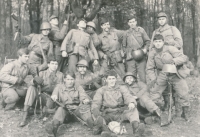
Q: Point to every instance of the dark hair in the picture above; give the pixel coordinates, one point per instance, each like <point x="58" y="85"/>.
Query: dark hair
<point x="158" y="37"/>
<point x="22" y="51"/>
<point x="51" y="59"/>
<point x="132" y="17"/>
<point x="70" y="74"/>
<point x="110" y="73"/>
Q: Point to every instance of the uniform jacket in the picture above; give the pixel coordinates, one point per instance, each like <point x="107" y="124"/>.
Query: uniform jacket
<point x="110" y="42"/>
<point x="35" y="41"/>
<point x="82" y="38"/>
<point x="11" y="72"/>
<point x="137" y="89"/>
<point x="51" y="79"/>
<point x="70" y="95"/>
<point x="112" y="97"/>
<point x="56" y="36"/>
<point x="95" y="39"/>
<point x="140" y="35"/>
<point x="171" y="34"/>
<point x="156" y="60"/>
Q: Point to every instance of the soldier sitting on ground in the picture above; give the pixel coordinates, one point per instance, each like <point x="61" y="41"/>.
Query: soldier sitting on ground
<point x="47" y="79"/>
<point x="74" y="99"/>
<point x="117" y="104"/>
<point x="12" y="76"/>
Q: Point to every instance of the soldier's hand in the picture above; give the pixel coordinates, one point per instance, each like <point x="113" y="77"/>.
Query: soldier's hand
<point x="38" y="80"/>
<point x="19" y="80"/>
<point x="64" y="54"/>
<point x="54" y="97"/>
<point x="86" y="101"/>
<point x="131" y="106"/>
<point x="65" y="22"/>
<point x="95" y="62"/>
<point x="144" y="50"/>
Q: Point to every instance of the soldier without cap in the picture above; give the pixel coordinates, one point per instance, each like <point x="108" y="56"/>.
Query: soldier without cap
<point x="12" y="76"/>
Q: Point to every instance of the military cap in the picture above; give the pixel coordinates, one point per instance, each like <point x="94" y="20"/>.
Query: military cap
<point x="91" y="24"/>
<point x="103" y="20"/>
<point x="129" y="74"/>
<point x="158" y="37"/>
<point x="162" y="14"/>
<point x="52" y="17"/>
<point x="111" y="73"/>
<point x="82" y="62"/>
<point x="22" y="51"/>
<point x="132" y="17"/>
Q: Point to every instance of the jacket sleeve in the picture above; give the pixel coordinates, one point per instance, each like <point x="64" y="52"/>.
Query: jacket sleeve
<point x="5" y="74"/>
<point x="26" y="39"/>
<point x="82" y="94"/>
<point x="66" y="41"/>
<point x="60" y="35"/>
<point x="128" y="98"/>
<point x="50" y="51"/>
<point x="56" y="90"/>
<point x="178" y="57"/>
<point x="93" y="49"/>
<point x="95" y="40"/>
<point x="150" y="67"/>
<point x="97" y="100"/>
<point x="178" y="41"/>
<point x="146" y="39"/>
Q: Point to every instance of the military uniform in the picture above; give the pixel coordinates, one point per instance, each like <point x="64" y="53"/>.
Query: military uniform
<point x="9" y="75"/>
<point x="51" y="79"/>
<point x="35" y="55"/>
<point x="111" y="46"/>
<point x="171" y="34"/>
<point x="83" y="43"/>
<point x="56" y="36"/>
<point x="112" y="98"/>
<point x="155" y="63"/>
<point x="136" y="39"/>
<point x="140" y="90"/>
<point x="72" y="98"/>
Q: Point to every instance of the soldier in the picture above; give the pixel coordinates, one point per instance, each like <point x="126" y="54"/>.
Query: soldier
<point x="48" y="79"/>
<point x="77" y="44"/>
<point x="136" y="38"/>
<point x="164" y="54"/>
<point x="73" y="97"/>
<point x="88" y="80"/>
<point x="139" y="90"/>
<point x="56" y="36"/>
<point x="112" y="99"/>
<point x="12" y="76"/>
<point x="110" y="47"/>
<point x="171" y="34"/>
<point x="39" y="43"/>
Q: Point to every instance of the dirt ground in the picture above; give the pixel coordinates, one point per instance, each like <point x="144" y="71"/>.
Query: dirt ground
<point x="9" y="121"/>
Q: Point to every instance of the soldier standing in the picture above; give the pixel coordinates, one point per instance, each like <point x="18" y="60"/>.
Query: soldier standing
<point x="56" y="36"/>
<point x="76" y="45"/>
<point x="164" y="54"/>
<point x="12" y="76"/>
<point x="136" y="39"/>
<point x="48" y="79"/>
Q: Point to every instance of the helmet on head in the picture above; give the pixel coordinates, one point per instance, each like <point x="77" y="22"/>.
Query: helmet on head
<point x="81" y="24"/>
<point x="82" y="62"/>
<point x="45" y="25"/>
<point x="162" y="14"/>
<point x="52" y="17"/>
<point x="128" y="74"/>
<point x="138" y="55"/>
<point x="169" y="68"/>
<point x="91" y="24"/>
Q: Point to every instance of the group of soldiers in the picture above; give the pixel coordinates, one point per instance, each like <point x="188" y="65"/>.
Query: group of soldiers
<point x="106" y="75"/>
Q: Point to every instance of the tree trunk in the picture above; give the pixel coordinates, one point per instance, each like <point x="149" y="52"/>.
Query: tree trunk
<point x="3" y="30"/>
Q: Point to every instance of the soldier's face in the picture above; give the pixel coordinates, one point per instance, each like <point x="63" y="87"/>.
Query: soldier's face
<point x="46" y="32"/>
<point x="53" y="65"/>
<point x="90" y="29"/>
<point x="24" y="58"/>
<point x="82" y="69"/>
<point x="162" y="21"/>
<point x="111" y="80"/>
<point x="129" y="80"/>
<point x="158" y="43"/>
<point x="132" y="23"/>
<point x="69" y="81"/>
<point x="54" y="21"/>
<point x="106" y="26"/>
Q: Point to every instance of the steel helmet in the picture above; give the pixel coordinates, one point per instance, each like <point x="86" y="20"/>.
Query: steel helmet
<point x="82" y="62"/>
<point x="91" y="24"/>
<point x="129" y="74"/>
<point x="162" y="14"/>
<point x="169" y="68"/>
<point x="138" y="55"/>
<point x="45" y="25"/>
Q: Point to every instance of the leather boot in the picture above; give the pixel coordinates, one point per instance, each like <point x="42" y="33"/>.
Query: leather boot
<point x="51" y="128"/>
<point x="25" y="114"/>
<point x="185" y="113"/>
<point x="138" y="128"/>
<point x="166" y="103"/>
<point x="98" y="125"/>
<point x="90" y="122"/>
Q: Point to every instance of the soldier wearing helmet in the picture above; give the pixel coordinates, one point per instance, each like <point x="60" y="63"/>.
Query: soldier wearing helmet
<point x="77" y="45"/>
<point x="88" y="80"/>
<point x="37" y="44"/>
<point x="158" y="58"/>
<point x="171" y="34"/>
<point x="56" y="36"/>
<point x="136" y="43"/>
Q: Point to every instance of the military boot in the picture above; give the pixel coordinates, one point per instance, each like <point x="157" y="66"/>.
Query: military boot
<point x="98" y="125"/>
<point x="24" y="118"/>
<point x="10" y="106"/>
<point x="138" y="128"/>
<point x="52" y="128"/>
<point x="166" y="103"/>
<point x="90" y="122"/>
<point x="151" y="120"/>
<point x="185" y="113"/>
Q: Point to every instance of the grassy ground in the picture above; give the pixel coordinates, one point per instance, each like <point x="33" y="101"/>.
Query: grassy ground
<point x="9" y="121"/>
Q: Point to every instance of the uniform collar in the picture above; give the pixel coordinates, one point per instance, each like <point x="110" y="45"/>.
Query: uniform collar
<point x="105" y="34"/>
<point x="165" y="27"/>
<point x="19" y="64"/>
<point x="134" y="29"/>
